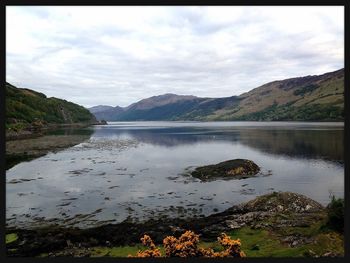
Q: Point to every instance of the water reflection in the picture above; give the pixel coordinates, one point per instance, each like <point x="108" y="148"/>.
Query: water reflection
<point x="315" y="144"/>
<point x="306" y="142"/>
<point x="135" y="170"/>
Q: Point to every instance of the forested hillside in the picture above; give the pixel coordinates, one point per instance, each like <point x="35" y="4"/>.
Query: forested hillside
<point x="27" y="107"/>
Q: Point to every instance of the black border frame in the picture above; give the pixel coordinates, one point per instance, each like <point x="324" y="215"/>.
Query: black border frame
<point x="344" y="3"/>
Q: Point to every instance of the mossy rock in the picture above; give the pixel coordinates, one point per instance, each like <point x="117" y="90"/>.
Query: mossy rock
<point x="284" y="202"/>
<point x="231" y="169"/>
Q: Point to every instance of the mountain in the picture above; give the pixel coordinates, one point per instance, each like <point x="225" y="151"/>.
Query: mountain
<point x="310" y="98"/>
<point x="107" y="114"/>
<point x="25" y="107"/>
<point x="160" y="107"/>
<point x="166" y="107"/>
<point x="163" y="107"/>
<point x="100" y="108"/>
<point x="305" y="98"/>
<point x="103" y="112"/>
<point x="159" y="101"/>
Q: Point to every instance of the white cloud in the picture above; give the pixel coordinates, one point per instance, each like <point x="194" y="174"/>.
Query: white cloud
<point x="117" y="55"/>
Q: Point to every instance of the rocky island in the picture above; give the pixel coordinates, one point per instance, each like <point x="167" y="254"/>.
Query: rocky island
<point x="231" y="169"/>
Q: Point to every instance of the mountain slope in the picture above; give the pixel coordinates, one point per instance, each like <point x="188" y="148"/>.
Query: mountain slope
<point x="159" y="101"/>
<point x="100" y="108"/>
<point x="304" y="98"/>
<point x="26" y="107"/>
<point x="311" y="98"/>
<point x="106" y="114"/>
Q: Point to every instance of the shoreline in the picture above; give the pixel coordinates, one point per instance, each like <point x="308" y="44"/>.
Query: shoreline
<point x="274" y="213"/>
<point x="34" y="132"/>
<point x="26" y="145"/>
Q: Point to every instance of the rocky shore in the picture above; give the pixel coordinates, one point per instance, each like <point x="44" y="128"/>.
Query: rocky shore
<point x="292" y="219"/>
<point x="36" y="145"/>
<point x="38" y="129"/>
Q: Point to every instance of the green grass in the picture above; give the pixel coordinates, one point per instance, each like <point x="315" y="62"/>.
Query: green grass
<point x="269" y="244"/>
<point x="255" y="243"/>
<point x="261" y="242"/>
<point x="119" y="251"/>
<point x="124" y="251"/>
<point x="11" y="238"/>
<point x="16" y="126"/>
<point x="313" y="230"/>
<point x="115" y="251"/>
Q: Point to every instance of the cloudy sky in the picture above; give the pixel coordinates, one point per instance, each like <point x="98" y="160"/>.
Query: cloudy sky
<point x="119" y="55"/>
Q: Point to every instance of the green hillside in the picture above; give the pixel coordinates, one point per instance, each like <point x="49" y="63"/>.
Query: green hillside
<point x="310" y="98"/>
<point x="25" y="107"/>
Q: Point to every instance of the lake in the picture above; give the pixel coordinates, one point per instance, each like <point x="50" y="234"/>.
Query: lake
<point x="136" y="171"/>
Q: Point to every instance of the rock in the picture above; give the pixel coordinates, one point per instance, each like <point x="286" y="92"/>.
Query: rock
<point x="283" y="201"/>
<point x="330" y="254"/>
<point x="37" y="124"/>
<point x="255" y="247"/>
<point x="295" y="243"/>
<point x="296" y="240"/>
<point x="231" y="169"/>
<point x="69" y="243"/>
<point x="279" y="208"/>
<point x="234" y="224"/>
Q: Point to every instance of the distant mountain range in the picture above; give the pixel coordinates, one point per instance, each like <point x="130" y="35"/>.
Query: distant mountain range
<point x="310" y="98"/>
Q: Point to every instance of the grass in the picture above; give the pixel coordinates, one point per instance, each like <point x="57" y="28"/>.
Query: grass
<point x="11" y="238"/>
<point x="16" y="126"/>
<point x="262" y="243"/>
<point x="311" y="231"/>
<point x="116" y="251"/>
<point x="313" y="238"/>
<point x="255" y="243"/>
<point x="119" y="251"/>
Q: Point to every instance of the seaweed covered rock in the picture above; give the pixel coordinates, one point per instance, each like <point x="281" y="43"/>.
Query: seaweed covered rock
<point x="231" y="169"/>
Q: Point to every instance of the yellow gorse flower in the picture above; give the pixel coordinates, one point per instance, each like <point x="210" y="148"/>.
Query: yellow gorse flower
<point x="187" y="246"/>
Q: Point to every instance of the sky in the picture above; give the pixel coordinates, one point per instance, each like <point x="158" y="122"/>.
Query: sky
<point x="116" y="55"/>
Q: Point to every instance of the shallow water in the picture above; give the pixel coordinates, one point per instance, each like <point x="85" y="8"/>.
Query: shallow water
<point x="137" y="171"/>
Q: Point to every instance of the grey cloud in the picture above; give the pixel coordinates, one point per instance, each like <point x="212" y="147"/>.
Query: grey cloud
<point x="76" y="64"/>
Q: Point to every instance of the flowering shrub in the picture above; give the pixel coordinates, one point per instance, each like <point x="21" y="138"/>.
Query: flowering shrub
<point x="152" y="252"/>
<point x="187" y="246"/>
<point x="232" y="247"/>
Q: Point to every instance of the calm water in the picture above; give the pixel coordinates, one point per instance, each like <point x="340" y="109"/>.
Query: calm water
<point x="137" y="170"/>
